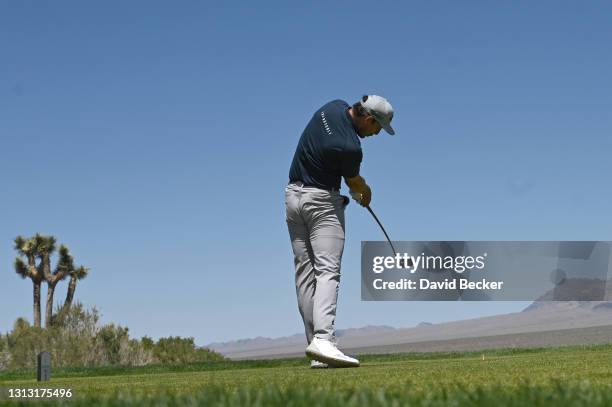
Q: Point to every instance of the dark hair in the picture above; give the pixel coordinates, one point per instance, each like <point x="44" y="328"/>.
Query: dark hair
<point x="360" y="110"/>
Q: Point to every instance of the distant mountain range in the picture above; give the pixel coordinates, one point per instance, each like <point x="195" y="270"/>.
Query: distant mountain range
<point x="543" y="323"/>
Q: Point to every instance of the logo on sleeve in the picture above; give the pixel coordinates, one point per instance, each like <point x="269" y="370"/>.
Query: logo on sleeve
<point x="327" y="129"/>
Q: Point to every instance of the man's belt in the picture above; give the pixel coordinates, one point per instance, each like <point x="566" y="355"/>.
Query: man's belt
<point x="303" y="184"/>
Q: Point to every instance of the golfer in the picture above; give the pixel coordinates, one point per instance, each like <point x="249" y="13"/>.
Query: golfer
<point x="328" y="150"/>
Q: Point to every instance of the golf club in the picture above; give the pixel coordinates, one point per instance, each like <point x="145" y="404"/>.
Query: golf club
<point x="382" y="228"/>
<point x="357" y="197"/>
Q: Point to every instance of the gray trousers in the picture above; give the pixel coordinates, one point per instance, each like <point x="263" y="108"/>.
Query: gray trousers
<point x="315" y="219"/>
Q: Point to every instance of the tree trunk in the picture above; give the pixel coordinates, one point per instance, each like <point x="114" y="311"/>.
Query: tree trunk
<point x="36" y="290"/>
<point x="70" y="293"/>
<point x="49" y="313"/>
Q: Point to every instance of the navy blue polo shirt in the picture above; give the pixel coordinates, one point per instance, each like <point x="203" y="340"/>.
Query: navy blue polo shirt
<point x="329" y="148"/>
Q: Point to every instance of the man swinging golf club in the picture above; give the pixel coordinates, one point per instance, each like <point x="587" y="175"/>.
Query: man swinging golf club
<point x="328" y="150"/>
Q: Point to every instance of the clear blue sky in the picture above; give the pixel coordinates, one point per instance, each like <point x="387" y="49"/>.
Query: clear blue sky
<point x="154" y="139"/>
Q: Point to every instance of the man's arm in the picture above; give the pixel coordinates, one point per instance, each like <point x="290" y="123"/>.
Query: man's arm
<point x="358" y="184"/>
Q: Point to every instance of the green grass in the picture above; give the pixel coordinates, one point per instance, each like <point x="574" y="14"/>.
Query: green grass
<point x="535" y="377"/>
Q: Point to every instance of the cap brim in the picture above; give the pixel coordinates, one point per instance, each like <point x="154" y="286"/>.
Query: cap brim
<point x="389" y="129"/>
<point x="387" y="126"/>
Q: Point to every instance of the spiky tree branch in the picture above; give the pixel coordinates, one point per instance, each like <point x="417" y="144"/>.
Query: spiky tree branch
<point x="46" y="247"/>
<point x="28" y="248"/>
<point x="21" y="268"/>
<point x="20" y="244"/>
<point x="78" y="274"/>
<point x="64" y="266"/>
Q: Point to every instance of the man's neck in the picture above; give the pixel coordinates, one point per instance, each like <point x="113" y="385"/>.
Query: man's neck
<point x="351" y="113"/>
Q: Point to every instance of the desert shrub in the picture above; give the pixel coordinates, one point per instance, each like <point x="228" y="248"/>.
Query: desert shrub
<point x="111" y="342"/>
<point x="174" y="349"/>
<point x="73" y="336"/>
<point x="5" y="355"/>
<point x="147" y="343"/>
<point x="137" y="354"/>
<point x="69" y="340"/>
<point x="25" y="342"/>
<point x="207" y="355"/>
<point x="76" y="339"/>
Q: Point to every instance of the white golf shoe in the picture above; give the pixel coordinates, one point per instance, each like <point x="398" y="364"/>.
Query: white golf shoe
<point x="315" y="364"/>
<point x="325" y="351"/>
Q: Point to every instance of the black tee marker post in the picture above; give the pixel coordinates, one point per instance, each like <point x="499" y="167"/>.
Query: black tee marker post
<point x="43" y="373"/>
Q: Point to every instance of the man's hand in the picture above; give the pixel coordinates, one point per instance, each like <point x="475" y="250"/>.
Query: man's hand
<point x="363" y="198"/>
<point x="360" y="191"/>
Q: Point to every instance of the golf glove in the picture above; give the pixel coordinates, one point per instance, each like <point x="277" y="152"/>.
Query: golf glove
<point x="356" y="196"/>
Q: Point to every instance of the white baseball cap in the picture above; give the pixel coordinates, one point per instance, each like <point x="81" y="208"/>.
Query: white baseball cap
<point x="381" y="109"/>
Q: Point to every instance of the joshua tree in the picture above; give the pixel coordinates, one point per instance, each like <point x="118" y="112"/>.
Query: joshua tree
<point x="28" y="248"/>
<point x="41" y="248"/>
<point x="75" y="275"/>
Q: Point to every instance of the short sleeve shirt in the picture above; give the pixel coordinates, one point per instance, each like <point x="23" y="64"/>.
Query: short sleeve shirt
<point x="329" y="148"/>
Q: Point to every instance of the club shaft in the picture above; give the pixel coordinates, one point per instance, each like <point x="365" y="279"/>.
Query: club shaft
<point x="382" y="228"/>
